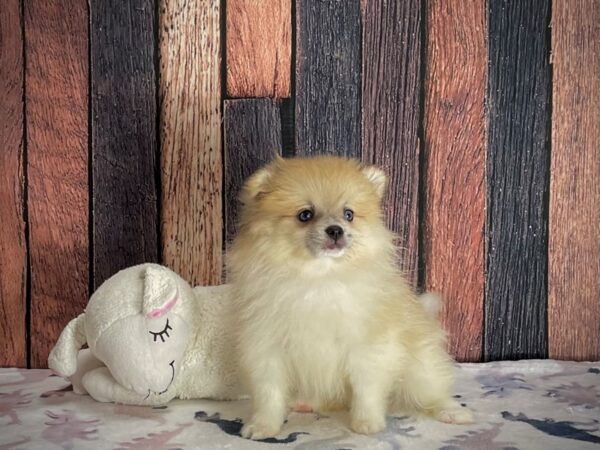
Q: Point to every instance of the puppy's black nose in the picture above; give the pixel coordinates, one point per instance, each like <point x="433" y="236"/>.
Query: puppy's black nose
<point x="334" y="232"/>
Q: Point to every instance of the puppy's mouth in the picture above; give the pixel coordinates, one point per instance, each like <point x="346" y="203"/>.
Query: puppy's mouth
<point x="334" y="247"/>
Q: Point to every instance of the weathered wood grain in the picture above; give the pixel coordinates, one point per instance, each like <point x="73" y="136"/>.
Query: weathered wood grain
<point x="56" y="33"/>
<point x="124" y="135"/>
<point x="328" y="77"/>
<point x="574" y="235"/>
<point x="259" y="48"/>
<point x="518" y="158"/>
<point x="190" y="138"/>
<point x="13" y="247"/>
<point x="252" y="138"/>
<point x="454" y="132"/>
<point x="391" y="67"/>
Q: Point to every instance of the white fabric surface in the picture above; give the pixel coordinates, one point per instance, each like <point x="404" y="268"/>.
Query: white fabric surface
<point x="518" y="405"/>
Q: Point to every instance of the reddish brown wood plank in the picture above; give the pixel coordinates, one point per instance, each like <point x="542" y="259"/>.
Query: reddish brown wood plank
<point x="13" y="248"/>
<point x="454" y="126"/>
<point x="56" y="34"/>
<point x="190" y="130"/>
<point x="259" y="47"/>
<point x="391" y="66"/>
<point x="574" y="241"/>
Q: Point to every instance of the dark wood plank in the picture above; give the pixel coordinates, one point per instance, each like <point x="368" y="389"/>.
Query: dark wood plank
<point x="259" y="48"/>
<point x="252" y="139"/>
<point x="56" y="36"/>
<point x="13" y="247"/>
<point x="574" y="247"/>
<point x="190" y="139"/>
<point x="124" y="137"/>
<point x="454" y="129"/>
<point x="286" y="107"/>
<point x="328" y="77"/>
<point x="391" y="66"/>
<point x="518" y="160"/>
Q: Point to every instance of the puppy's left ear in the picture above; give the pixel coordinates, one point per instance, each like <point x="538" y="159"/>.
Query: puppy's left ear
<point x="377" y="177"/>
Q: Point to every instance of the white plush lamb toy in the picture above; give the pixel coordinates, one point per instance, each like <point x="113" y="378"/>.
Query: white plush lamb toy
<point x="151" y="338"/>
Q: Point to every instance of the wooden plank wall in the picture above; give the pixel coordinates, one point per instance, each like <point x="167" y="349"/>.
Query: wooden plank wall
<point x="259" y="48"/>
<point x="124" y="135"/>
<point x="190" y="138"/>
<point x="128" y="129"/>
<point x="252" y="139"/>
<point x="13" y="245"/>
<point x="518" y="158"/>
<point x="56" y="33"/>
<point x="391" y="83"/>
<point x="574" y="249"/>
<point x="454" y="127"/>
<point x="328" y="77"/>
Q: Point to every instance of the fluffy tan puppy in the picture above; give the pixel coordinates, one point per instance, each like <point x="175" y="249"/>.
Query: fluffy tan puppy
<point x="324" y="317"/>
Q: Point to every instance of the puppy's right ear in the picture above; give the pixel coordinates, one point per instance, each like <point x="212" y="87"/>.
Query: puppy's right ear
<point x="255" y="185"/>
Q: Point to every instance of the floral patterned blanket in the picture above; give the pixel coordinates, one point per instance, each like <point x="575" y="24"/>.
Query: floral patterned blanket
<point x="518" y="405"/>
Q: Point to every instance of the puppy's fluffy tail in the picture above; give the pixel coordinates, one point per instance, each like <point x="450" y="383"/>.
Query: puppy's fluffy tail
<point x="432" y="303"/>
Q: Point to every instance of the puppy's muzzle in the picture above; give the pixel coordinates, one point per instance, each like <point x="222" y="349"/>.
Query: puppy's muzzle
<point x="335" y="237"/>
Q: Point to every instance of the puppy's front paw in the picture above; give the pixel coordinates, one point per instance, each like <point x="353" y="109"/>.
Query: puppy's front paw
<point x="368" y="426"/>
<point x="455" y="414"/>
<point x="260" y="429"/>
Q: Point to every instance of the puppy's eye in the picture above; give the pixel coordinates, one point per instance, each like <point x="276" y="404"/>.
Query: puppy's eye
<point x="305" y="215"/>
<point x="348" y="215"/>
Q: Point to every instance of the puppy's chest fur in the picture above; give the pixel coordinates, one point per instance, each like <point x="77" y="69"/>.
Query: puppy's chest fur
<point x="331" y="311"/>
<point x="314" y="328"/>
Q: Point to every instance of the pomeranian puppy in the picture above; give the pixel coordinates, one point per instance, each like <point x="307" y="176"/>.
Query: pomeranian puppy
<point x="324" y="317"/>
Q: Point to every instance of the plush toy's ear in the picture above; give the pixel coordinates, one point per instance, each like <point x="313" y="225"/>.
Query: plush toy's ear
<point x="255" y="184"/>
<point x="160" y="292"/>
<point x="377" y="177"/>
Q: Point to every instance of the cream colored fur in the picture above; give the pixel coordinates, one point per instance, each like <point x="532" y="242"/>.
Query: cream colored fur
<point x="338" y="329"/>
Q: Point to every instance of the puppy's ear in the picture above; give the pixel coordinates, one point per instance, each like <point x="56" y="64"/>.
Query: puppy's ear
<point x="255" y="184"/>
<point x="377" y="177"/>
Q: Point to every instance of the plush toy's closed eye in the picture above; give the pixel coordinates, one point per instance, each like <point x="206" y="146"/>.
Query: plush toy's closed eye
<point x="163" y="333"/>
